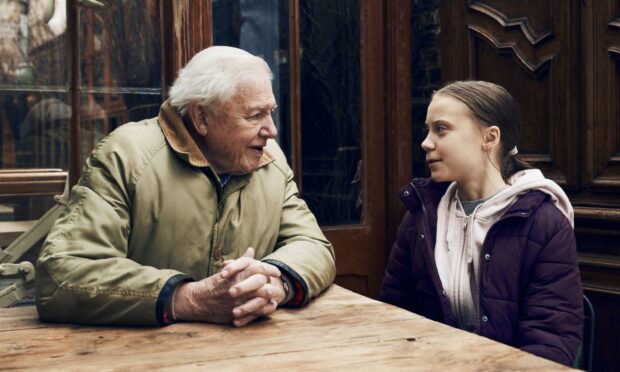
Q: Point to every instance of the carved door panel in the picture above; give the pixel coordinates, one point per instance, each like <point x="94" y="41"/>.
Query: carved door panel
<point x="524" y="46"/>
<point x="561" y="61"/>
<point x="606" y="83"/>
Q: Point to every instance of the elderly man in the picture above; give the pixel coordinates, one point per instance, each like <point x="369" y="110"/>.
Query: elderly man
<point x="193" y="215"/>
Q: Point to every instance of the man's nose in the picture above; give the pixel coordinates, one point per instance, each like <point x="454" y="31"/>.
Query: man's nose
<point x="269" y="129"/>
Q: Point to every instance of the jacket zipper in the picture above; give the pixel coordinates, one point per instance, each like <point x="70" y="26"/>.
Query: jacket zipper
<point x="463" y="256"/>
<point x="214" y="233"/>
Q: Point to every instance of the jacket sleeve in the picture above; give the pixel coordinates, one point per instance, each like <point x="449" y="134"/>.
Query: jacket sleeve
<point x="302" y="251"/>
<point x="398" y="287"/>
<point x="83" y="272"/>
<point x="551" y="311"/>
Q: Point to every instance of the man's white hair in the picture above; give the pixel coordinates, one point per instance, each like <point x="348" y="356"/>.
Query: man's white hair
<point x="213" y="75"/>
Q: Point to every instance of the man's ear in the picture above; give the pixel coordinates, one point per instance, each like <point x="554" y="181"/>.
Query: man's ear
<point x="198" y="117"/>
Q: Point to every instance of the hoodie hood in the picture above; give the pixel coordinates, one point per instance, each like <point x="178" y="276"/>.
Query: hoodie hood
<point x="521" y="183"/>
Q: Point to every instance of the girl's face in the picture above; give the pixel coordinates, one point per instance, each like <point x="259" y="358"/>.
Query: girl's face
<point x="454" y="143"/>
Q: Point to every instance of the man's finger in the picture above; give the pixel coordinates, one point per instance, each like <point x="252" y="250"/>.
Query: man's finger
<point x="270" y="291"/>
<point x="248" y="285"/>
<point x="252" y="306"/>
<point x="228" y="272"/>
<point x="236" y="266"/>
<point x="244" y="321"/>
<point x="248" y="253"/>
<point x="250" y="266"/>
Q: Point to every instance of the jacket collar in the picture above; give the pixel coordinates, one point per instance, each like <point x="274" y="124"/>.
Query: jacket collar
<point x="182" y="142"/>
<point x="424" y="193"/>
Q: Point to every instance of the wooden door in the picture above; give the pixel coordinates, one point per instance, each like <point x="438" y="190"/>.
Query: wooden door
<point x="529" y="48"/>
<point x="598" y="201"/>
<point x="561" y="61"/>
<point x="332" y="70"/>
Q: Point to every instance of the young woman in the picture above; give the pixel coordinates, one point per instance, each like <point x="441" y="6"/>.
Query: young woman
<point x="487" y="244"/>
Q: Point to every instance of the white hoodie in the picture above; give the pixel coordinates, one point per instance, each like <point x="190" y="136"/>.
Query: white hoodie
<point x="460" y="238"/>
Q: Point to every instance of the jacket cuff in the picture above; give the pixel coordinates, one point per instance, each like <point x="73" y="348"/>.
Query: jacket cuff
<point x="298" y="289"/>
<point x="163" y="306"/>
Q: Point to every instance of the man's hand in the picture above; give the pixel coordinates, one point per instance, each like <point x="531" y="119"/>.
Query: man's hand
<point x="266" y="302"/>
<point x="245" y="290"/>
<point x="266" y="297"/>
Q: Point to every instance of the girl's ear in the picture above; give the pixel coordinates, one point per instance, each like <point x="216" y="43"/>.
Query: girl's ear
<point x="491" y="138"/>
<point x="198" y="117"/>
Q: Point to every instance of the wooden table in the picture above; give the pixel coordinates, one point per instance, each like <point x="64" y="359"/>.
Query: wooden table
<point x="340" y="330"/>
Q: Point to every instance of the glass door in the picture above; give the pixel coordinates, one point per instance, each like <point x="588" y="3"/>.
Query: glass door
<point x="326" y="57"/>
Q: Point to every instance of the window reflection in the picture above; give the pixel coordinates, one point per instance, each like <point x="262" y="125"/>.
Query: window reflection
<point x="120" y="67"/>
<point x="119" y="51"/>
<point x="330" y="109"/>
<point x="34" y="112"/>
<point x="261" y="28"/>
<point x="34" y="108"/>
<point x="330" y="91"/>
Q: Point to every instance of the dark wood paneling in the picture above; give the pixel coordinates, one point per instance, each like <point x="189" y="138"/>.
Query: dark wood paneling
<point x="190" y="30"/>
<point x="73" y="59"/>
<point x="529" y="49"/>
<point x="398" y="111"/>
<point x="294" y="86"/>
<point x="606" y="113"/>
<point x="606" y="331"/>
<point x="561" y="61"/>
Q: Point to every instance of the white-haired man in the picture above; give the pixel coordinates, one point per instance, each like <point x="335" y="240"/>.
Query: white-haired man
<point x="193" y="215"/>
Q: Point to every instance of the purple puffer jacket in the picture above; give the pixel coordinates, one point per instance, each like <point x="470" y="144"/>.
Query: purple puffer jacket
<point x="530" y="287"/>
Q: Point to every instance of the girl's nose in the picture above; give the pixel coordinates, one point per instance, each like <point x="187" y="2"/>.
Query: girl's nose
<point x="427" y="145"/>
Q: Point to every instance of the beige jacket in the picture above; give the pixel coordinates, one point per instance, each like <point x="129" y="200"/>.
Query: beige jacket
<point x="148" y="208"/>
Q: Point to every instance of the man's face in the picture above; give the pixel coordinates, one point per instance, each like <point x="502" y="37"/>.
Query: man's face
<point x="239" y="129"/>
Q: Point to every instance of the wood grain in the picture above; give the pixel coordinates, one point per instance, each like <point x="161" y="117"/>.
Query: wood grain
<point x="339" y="330"/>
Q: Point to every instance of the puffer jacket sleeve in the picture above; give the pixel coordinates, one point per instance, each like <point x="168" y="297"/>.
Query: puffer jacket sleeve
<point x="83" y="272"/>
<point x="302" y="251"/>
<point x="398" y="287"/>
<point x="552" y="308"/>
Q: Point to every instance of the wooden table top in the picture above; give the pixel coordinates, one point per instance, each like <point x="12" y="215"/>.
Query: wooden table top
<point x="340" y="330"/>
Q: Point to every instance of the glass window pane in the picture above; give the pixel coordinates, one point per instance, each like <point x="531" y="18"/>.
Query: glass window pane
<point x="34" y="111"/>
<point x="120" y="67"/>
<point x="261" y="28"/>
<point x="330" y="109"/>
<point x="102" y="113"/>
